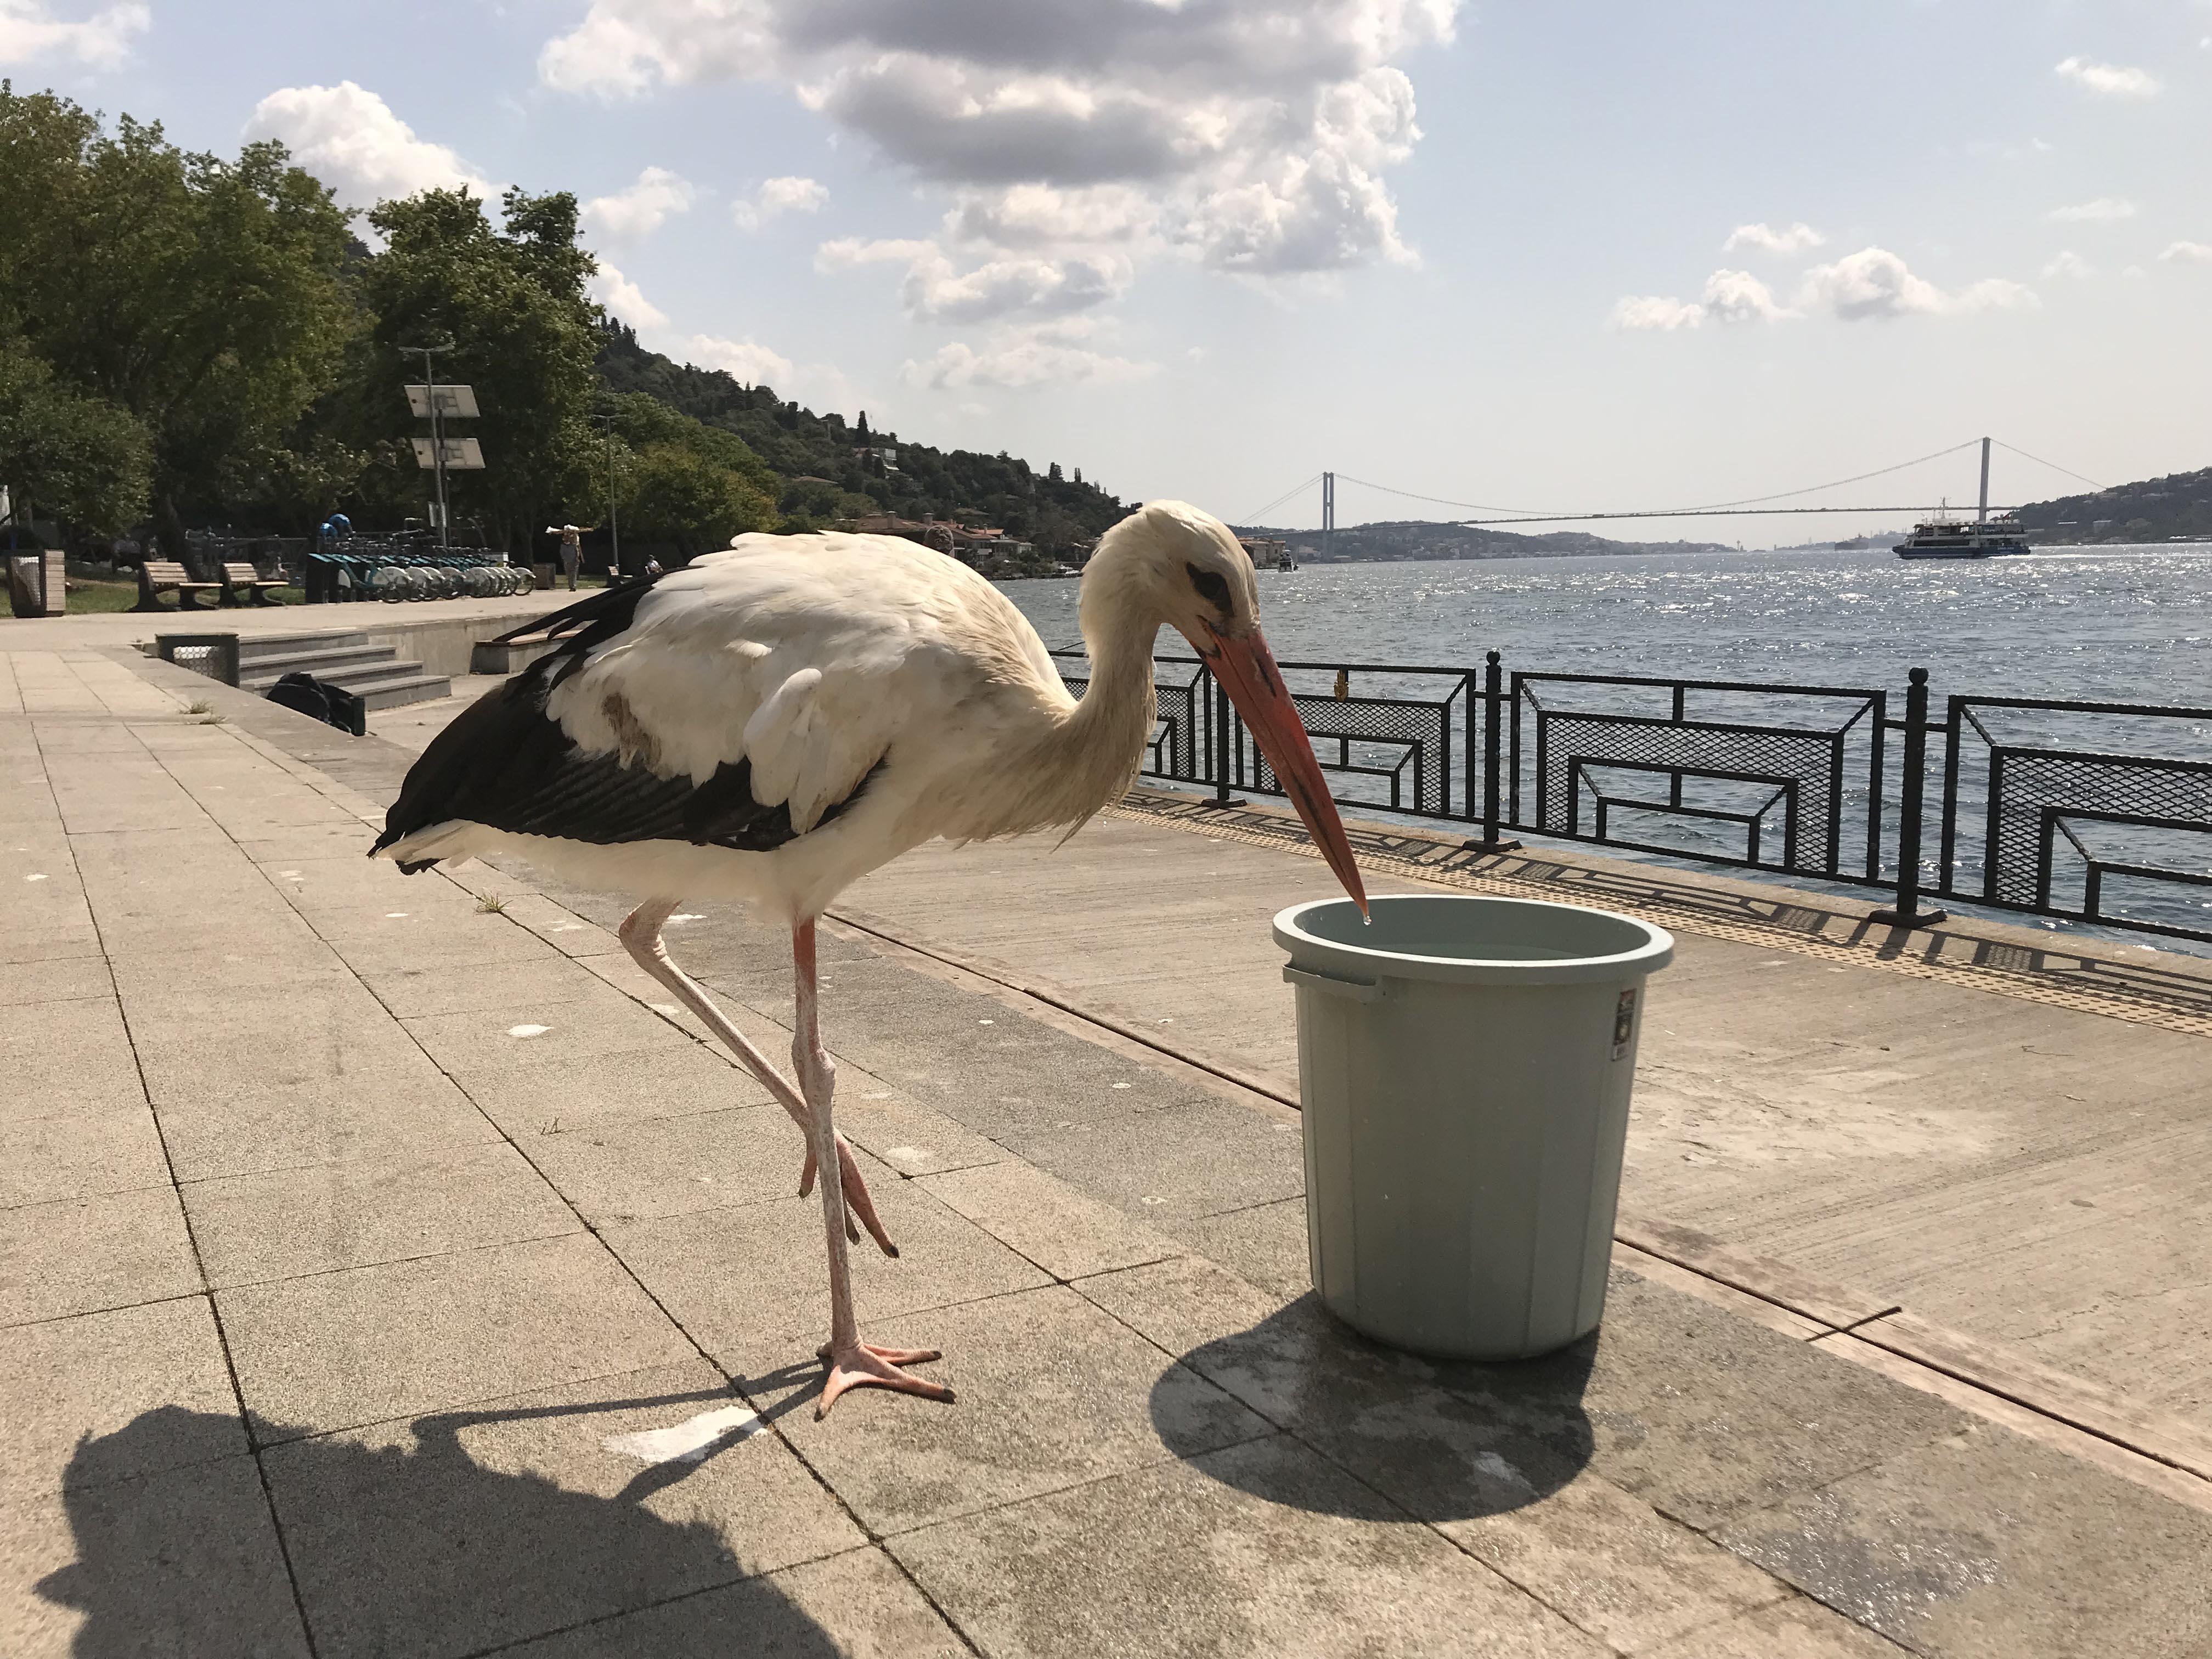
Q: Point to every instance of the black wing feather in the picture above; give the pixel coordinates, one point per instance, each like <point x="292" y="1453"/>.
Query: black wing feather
<point x="506" y="764"/>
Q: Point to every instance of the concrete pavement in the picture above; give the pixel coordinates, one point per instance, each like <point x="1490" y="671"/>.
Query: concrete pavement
<point x="361" y="1225"/>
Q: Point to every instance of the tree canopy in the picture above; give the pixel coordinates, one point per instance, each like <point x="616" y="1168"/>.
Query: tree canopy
<point x="510" y="303"/>
<point x="204" y="297"/>
<point x="66" y="455"/>
<point x="206" y="341"/>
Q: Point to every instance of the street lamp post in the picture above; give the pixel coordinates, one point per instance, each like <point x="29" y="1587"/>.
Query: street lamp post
<point x="614" y="527"/>
<point x="437" y="435"/>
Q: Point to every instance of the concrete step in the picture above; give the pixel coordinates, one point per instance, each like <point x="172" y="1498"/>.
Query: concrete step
<point x="419" y="688"/>
<point x="253" y="646"/>
<point x="382" y="681"/>
<point x="323" y="664"/>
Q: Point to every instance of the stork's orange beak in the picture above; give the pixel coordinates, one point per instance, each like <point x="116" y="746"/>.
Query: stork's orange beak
<point x="1248" y="673"/>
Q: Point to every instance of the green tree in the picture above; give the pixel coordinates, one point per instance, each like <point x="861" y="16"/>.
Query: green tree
<point x="78" y="459"/>
<point x="203" y="296"/>
<point x="680" y="480"/>
<point x="511" y="303"/>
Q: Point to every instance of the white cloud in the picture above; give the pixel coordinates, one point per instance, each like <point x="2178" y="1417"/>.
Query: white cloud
<point x="2067" y="263"/>
<point x="2110" y="80"/>
<point x="1653" y="311"/>
<point x="29" y="32"/>
<point x="1035" y="354"/>
<point x="1737" y="296"/>
<point x="2193" y="253"/>
<point x="2103" y="210"/>
<point x="1730" y="296"/>
<point x="348" y="138"/>
<point x="1799" y="238"/>
<point x="632" y="214"/>
<point x="749" y="361"/>
<point x="624" y="299"/>
<point x="1875" y="283"/>
<point x="935" y="290"/>
<point x="777" y="197"/>
<point x="1253" y="135"/>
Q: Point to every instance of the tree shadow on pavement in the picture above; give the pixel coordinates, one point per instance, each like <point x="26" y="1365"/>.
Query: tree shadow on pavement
<point x="1447" y="1440"/>
<point x="397" y="1548"/>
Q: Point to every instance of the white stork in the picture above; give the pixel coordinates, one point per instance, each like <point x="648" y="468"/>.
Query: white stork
<point x="776" y="720"/>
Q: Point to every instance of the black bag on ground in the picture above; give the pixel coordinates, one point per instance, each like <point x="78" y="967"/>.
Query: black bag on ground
<point x="332" y="704"/>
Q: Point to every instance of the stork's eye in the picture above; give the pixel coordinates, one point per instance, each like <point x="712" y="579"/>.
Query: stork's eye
<point x="1212" y="587"/>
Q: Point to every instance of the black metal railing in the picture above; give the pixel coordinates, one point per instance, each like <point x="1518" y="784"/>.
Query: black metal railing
<point x="2090" y="812"/>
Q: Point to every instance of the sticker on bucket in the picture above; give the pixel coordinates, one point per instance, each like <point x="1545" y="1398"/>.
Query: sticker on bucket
<point x="1624" y="1023"/>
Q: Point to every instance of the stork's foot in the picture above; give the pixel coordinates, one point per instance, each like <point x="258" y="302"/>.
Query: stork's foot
<point x="858" y="1205"/>
<point x="867" y="1366"/>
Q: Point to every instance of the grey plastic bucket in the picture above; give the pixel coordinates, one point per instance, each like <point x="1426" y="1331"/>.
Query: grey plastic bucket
<point x="1465" y="1064"/>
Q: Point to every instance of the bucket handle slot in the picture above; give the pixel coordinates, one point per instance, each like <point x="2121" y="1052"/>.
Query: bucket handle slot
<point x="1359" y="990"/>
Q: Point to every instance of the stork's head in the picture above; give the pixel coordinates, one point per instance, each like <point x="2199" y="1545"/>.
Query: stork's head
<point x="1170" y="563"/>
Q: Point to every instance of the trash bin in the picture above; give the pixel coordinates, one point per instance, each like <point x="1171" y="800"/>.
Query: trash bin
<point x="1465" y="1064"/>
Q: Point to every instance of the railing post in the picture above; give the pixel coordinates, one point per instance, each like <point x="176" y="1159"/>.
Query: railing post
<point x="1224" y="745"/>
<point x="1221" y="743"/>
<point x="1492" y="695"/>
<point x="1907" y="912"/>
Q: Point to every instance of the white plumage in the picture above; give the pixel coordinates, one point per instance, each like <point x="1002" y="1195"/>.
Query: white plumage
<point x="774" y="721"/>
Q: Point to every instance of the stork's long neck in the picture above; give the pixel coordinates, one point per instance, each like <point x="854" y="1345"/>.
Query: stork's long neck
<point x="1102" y="742"/>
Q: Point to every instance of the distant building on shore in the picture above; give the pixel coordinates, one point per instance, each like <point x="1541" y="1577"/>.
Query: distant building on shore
<point x="969" y="544"/>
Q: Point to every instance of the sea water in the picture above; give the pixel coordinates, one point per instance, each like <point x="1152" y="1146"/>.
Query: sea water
<point x="2108" y="623"/>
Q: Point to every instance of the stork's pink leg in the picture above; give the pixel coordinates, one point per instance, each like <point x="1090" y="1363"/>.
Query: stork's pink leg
<point x="853" y="1363"/>
<point x="641" y="936"/>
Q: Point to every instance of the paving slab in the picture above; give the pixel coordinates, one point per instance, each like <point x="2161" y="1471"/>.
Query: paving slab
<point x="69" y="1388"/>
<point x="1799" y="1628"/>
<point x="913" y="1138"/>
<point x="1262" y="1548"/>
<point x="70" y="979"/>
<point x="665" y="1081"/>
<point x="533" y="1029"/>
<point x="751" y="1284"/>
<point x="79" y="1155"/>
<point x="857" y="1604"/>
<point x="1053" y="1394"/>
<point x="216" y="1127"/>
<point x="616" y="1170"/>
<point x="281" y="1223"/>
<point x="1066" y="1232"/>
<point x="73" y="1058"/>
<point x="451" y="1533"/>
<point x="339" y="1349"/>
<point x="185" y="1562"/>
<point x="1615" y="1568"/>
<point x="1981" y="1543"/>
<point x="1264" y="1244"/>
<point x="77" y="1255"/>
<point x="1199" y="1158"/>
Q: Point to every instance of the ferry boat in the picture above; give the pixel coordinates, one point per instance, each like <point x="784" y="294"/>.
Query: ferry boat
<point x="1945" y="538"/>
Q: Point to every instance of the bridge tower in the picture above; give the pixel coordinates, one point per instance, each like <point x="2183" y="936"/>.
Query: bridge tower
<point x="1328" y="506"/>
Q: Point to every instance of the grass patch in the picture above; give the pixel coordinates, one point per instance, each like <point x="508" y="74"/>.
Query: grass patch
<point x="199" y="706"/>
<point x="490" y="904"/>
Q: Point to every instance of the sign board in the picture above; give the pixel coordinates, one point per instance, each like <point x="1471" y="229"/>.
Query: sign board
<point x="455" y="403"/>
<point x="462" y="454"/>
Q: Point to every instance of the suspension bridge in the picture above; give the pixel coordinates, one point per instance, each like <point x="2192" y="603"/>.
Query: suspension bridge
<point x="1484" y="515"/>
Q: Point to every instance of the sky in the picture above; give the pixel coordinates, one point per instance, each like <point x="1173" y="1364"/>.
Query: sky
<point x="1573" y="255"/>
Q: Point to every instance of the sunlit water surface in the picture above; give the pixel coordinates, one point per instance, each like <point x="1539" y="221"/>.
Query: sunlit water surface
<point x="2130" y="624"/>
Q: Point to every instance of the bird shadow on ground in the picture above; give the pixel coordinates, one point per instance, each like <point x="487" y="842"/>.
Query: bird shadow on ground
<point x="1449" y="1440"/>
<point x="396" y="1548"/>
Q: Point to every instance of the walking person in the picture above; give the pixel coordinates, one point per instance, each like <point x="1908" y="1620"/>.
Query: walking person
<point x="572" y="548"/>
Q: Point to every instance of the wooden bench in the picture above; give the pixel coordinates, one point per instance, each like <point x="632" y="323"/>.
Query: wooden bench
<point x="159" y="576"/>
<point x="243" y="580"/>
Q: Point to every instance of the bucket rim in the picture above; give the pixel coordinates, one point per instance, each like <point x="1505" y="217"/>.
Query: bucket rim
<point x="1655" y="952"/>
